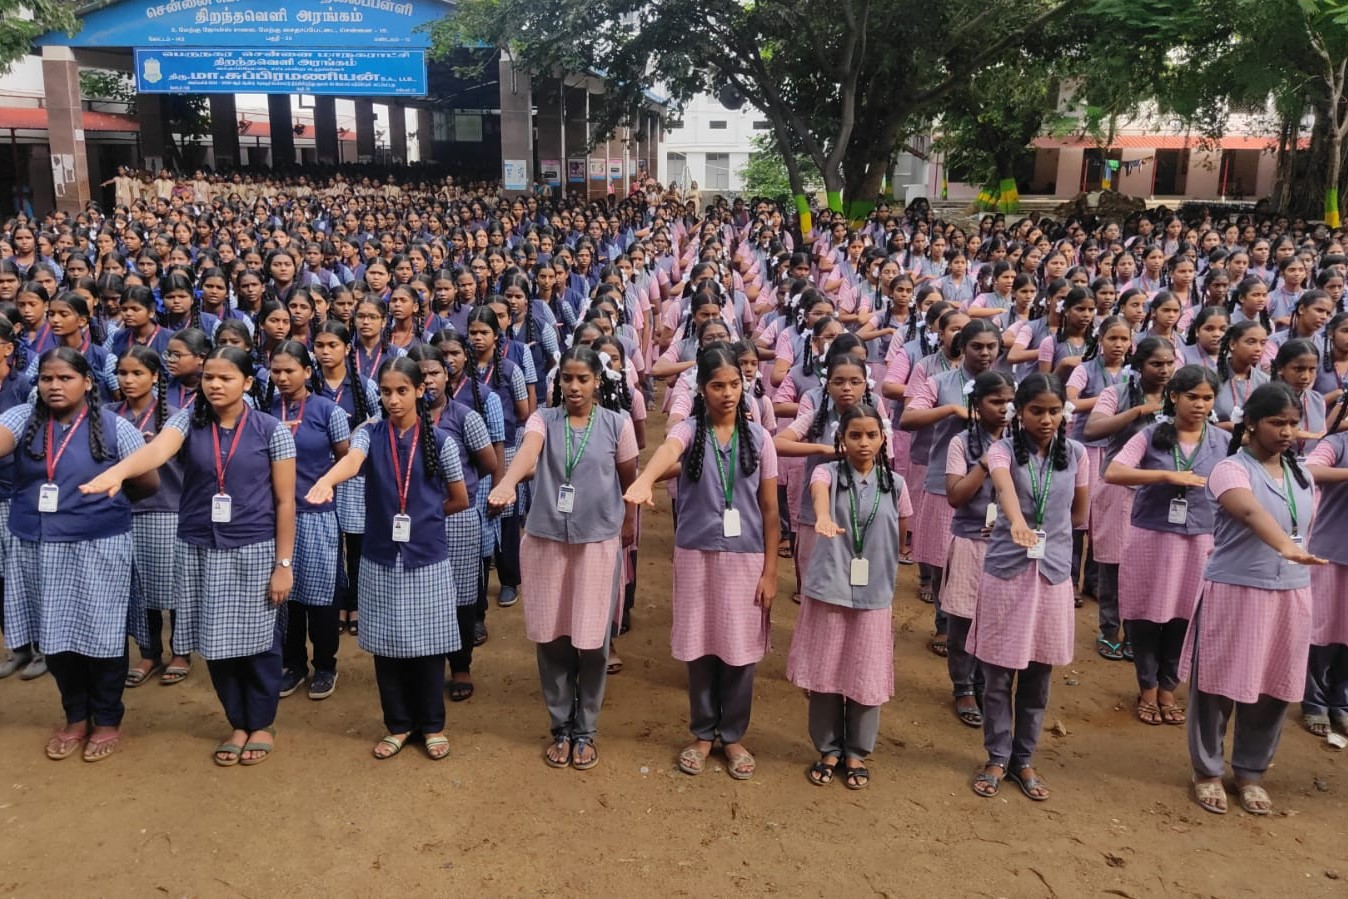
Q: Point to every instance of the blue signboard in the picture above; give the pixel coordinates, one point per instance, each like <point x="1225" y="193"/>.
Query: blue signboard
<point x="256" y="23"/>
<point x="347" y="73"/>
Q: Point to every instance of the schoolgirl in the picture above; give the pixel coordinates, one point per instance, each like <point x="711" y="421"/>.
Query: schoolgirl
<point x="154" y="519"/>
<point x="1023" y="622"/>
<point x="139" y="324"/>
<point x="448" y="309"/>
<point x="1247" y="649"/>
<point x="1308" y="317"/>
<point x="1045" y="319"/>
<point x="1060" y="352"/>
<point x="1332" y="377"/>
<point x="463" y="530"/>
<point x="842" y="650"/>
<point x="1286" y="289"/>
<point x="371" y="346"/>
<point x="404" y="327"/>
<point x="1171" y="534"/>
<point x="1325" y="704"/>
<point x="1249" y="302"/>
<point x="307" y="308"/>
<point x="793" y="342"/>
<point x="236" y="541"/>
<point x="413" y="480"/>
<point x="725" y="561"/>
<point x="183" y="359"/>
<point x="69" y="557"/>
<point x="215" y="297"/>
<point x="806" y="373"/>
<point x="272" y="328"/>
<point x="531" y="324"/>
<point x="570" y="551"/>
<point x="1296" y="365"/>
<point x="1238" y="368"/>
<point x="1162" y="320"/>
<point x="68" y="316"/>
<point x="1001" y="297"/>
<point x="31" y="302"/>
<point x="969" y="492"/>
<point x="182" y="309"/>
<point x="1203" y="342"/>
<point x="14" y="390"/>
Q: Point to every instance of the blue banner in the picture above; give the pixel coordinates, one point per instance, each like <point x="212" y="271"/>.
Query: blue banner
<point x="256" y="23"/>
<point x="347" y="73"/>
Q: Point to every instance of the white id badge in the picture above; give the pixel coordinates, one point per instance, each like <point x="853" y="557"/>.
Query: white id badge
<point x="861" y="572"/>
<point x="1040" y="544"/>
<point x="990" y="519"/>
<point x="730" y="523"/>
<point x="1179" y="511"/>
<point x="222" y="508"/>
<point x="402" y="528"/>
<point x="47" y="497"/>
<point x="566" y="499"/>
<point x="1297" y="541"/>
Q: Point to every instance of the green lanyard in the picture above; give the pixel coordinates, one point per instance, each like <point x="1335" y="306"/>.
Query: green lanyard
<point x="572" y="461"/>
<point x="1291" y="497"/>
<point x="1183" y="464"/>
<point x="1041" y="499"/>
<point x="859" y="529"/>
<point x="727" y="476"/>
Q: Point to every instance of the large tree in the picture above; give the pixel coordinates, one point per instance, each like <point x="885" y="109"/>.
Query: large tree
<point x="23" y="21"/>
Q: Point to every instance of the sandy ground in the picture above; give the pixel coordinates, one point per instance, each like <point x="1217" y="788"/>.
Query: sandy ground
<point x="324" y="818"/>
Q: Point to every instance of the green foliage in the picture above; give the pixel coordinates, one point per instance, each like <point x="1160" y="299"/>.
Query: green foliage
<point x="765" y="173"/>
<point x="23" y="21"/>
<point x="185" y="115"/>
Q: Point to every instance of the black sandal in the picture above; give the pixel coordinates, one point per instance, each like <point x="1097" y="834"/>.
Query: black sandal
<point x="821" y="773"/>
<point x="460" y="691"/>
<point x="857" y="778"/>
<point x="938" y="645"/>
<point x="973" y="716"/>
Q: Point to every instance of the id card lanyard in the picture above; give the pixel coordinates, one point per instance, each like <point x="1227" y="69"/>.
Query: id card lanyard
<point x="402" y="522"/>
<point x="49" y="494"/>
<point x="1045" y="477"/>
<point x="566" y="493"/>
<point x="1179" y="506"/>
<point x="730" y="519"/>
<point x="222" y="504"/>
<point x="860" y="575"/>
<point x="1287" y="486"/>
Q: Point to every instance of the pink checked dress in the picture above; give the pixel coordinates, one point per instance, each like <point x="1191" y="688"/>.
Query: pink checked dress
<point x="931" y="537"/>
<point x="964" y="565"/>
<point x="1111" y="505"/>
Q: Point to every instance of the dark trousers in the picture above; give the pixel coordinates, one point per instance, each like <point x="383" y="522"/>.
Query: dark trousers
<point x="629" y="596"/>
<point x="720" y="698"/>
<point x="249" y="687"/>
<point x="1107" y="595"/>
<point x="91" y="689"/>
<point x="412" y="693"/>
<point x="461" y="661"/>
<point x="573" y="682"/>
<point x="1156" y="651"/>
<point x="966" y="677"/>
<point x="508" y="552"/>
<point x="153" y="651"/>
<point x="1089" y="575"/>
<point x="937" y="576"/>
<point x="319" y="623"/>
<point x="784" y="512"/>
<point x="1258" y="729"/>
<point x="839" y="726"/>
<point x="348" y="571"/>
<point x="1326" y="680"/>
<point x="1011" y="729"/>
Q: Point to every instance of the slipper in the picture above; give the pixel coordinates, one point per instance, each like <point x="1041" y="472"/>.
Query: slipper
<point x="232" y="750"/>
<point x="1211" y="796"/>
<point x="692" y="760"/>
<point x="576" y="746"/>
<point x="821" y="773"/>
<point x="1318" y="725"/>
<point x="1173" y="714"/>
<point x="564" y="762"/>
<point x="857" y="778"/>
<point x="1077" y="601"/>
<point x="1252" y="793"/>
<point x="101" y="747"/>
<point x="63" y="745"/>
<point x="174" y="674"/>
<point x="434" y="742"/>
<point x="615" y="665"/>
<point x="1028" y="784"/>
<point x="1127" y="649"/>
<point x="460" y="691"/>
<point x="906" y="558"/>
<point x="1148" y="712"/>
<point x="353" y="627"/>
<point x="264" y="748"/>
<point x="939" y="646"/>
<point x="135" y="677"/>
<point x="784" y="549"/>
<point x="1109" y="649"/>
<point x="992" y="780"/>
<point x="973" y="717"/>
<point x="397" y="742"/>
<point x="735" y="763"/>
<point x="924" y="594"/>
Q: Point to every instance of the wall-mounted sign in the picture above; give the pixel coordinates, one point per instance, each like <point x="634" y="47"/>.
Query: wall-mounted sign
<point x="348" y="73"/>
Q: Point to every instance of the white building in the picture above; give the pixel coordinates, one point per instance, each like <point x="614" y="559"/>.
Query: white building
<point x="710" y="144"/>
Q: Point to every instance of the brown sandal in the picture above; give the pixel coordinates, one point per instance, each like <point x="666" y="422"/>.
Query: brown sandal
<point x="1148" y="712"/>
<point x="1173" y="714"/>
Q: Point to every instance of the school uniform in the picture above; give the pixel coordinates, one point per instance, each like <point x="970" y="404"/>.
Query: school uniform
<point x="316" y="424"/>
<point x="463" y="530"/>
<point x="123" y="339"/>
<point x="968" y="539"/>
<point x="494" y="417"/>
<point x="842" y="650"/>
<point x="368" y="362"/>
<point x="719" y="631"/>
<point x="68" y="571"/>
<point x="14" y="391"/>
<point x="102" y="367"/>
<point x="1247" y="649"/>
<point x="1235" y="391"/>
<point x="1170" y="539"/>
<point x="1327" y="669"/>
<point x="1327" y="378"/>
<point x="510" y="384"/>
<point x="1313" y="415"/>
<point x="349" y="496"/>
<point x="407" y="593"/>
<point x="1024" y="621"/>
<point x="224" y="568"/>
<point x="571" y="562"/>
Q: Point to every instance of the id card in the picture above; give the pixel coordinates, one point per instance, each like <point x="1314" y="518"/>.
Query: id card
<point x="730" y="523"/>
<point x="222" y="508"/>
<point x="1179" y="511"/>
<point x="402" y="528"/>
<point x="1040" y="544"/>
<point x="47" y="497"/>
<point x="861" y="572"/>
<point x="990" y="519"/>
<point x="566" y="499"/>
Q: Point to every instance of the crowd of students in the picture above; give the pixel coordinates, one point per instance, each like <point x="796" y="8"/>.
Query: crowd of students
<point x="333" y="411"/>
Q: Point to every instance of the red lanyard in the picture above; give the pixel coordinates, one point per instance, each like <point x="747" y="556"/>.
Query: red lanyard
<point x="222" y="461"/>
<point x="486" y="378"/>
<point x="298" y="419"/>
<point x="463" y="379"/>
<point x="404" y="482"/>
<point x="1236" y="400"/>
<point x="144" y="419"/>
<point x="42" y="334"/>
<point x="52" y="459"/>
<point x="186" y="396"/>
<point x="147" y="341"/>
<point x="374" y="366"/>
<point x="337" y="395"/>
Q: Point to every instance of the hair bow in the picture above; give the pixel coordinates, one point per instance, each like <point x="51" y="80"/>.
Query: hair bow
<point x="1067" y="410"/>
<point x="969" y="387"/>
<point x="1237" y="415"/>
<point x="1162" y="419"/>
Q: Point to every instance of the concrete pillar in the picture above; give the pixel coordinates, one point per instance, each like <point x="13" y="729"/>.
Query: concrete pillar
<point x="549" y="121"/>
<point x="657" y="151"/>
<point x="325" y="130"/>
<point x="65" y="129"/>
<point x="282" y="137"/>
<point x="425" y="134"/>
<point x="577" y="138"/>
<point x="397" y="131"/>
<point x="517" y="128"/>
<point x="224" y="131"/>
<point x="365" y="130"/>
<point x="151" y="114"/>
<point x="1070" y="161"/>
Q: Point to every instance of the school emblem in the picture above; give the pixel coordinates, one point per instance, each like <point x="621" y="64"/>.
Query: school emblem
<point x="151" y="72"/>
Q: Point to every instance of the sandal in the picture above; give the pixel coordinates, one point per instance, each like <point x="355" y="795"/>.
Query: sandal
<point x="353" y="627"/>
<point x="972" y="716"/>
<point x="460" y="691"/>
<point x="264" y="748"/>
<point x="174" y="674"/>
<point x="736" y="766"/>
<point x="615" y="665"/>
<point x="437" y="746"/>
<point x="1029" y="784"/>
<point x="1250" y="794"/>
<point x="100" y="747"/>
<point x="1127" y="649"/>
<point x="63" y="745"/>
<point x="924" y="593"/>
<point x="906" y="558"/>
<point x="784" y="548"/>
<point x="1317" y="725"/>
<point x="1148" y="712"/>
<point x="397" y="741"/>
<point x="938" y="646"/>
<point x="563" y="743"/>
<point x="1108" y="649"/>
<point x="992" y="782"/>
<point x="232" y="752"/>
<point x="1173" y="713"/>
<point x="580" y="744"/>
<point x="1211" y="796"/>
<point x="692" y="761"/>
<point x="1077" y="601"/>
<point x="136" y="676"/>
<point x="821" y="772"/>
<point x="857" y="778"/>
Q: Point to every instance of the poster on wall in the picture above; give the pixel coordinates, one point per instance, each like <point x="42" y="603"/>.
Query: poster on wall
<point x="597" y="170"/>
<point x="615" y="170"/>
<point x="575" y="171"/>
<point x="514" y="174"/>
<point x="550" y="172"/>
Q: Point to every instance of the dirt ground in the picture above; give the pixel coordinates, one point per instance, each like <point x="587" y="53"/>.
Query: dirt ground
<point x="322" y="817"/>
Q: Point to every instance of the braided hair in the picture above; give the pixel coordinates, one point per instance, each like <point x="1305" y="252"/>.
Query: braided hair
<point x="360" y="400"/>
<point x="1233" y="333"/>
<point x="1303" y="303"/>
<point x="1327" y="355"/>
<point x="1205" y="314"/>
<point x="585" y="355"/>
<point x="483" y="315"/>
<point x="1033" y="386"/>
<point x="300" y="353"/>
<point x="418" y="323"/>
<point x="32" y="440"/>
<point x="1248" y="283"/>
<point x="613" y="392"/>
<point x="469" y="371"/>
<point x="1166" y="435"/>
<point x="1293" y="349"/>
<point x="709" y="361"/>
<point x="742" y="348"/>
<point x="146" y="356"/>
<point x="1162" y="297"/>
<point x="518" y="280"/>
<point x="430" y="456"/>
<point x="1264" y="401"/>
<point x="885" y="479"/>
<point x="203" y="413"/>
<point x="1146" y="348"/>
<point x="935" y="312"/>
<point x="987" y="383"/>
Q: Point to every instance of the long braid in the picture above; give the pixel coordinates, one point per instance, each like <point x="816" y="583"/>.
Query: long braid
<point x="885" y="480"/>
<point x="556" y="400"/>
<point x="38" y="420"/>
<point x="748" y="450"/>
<point x="498" y="356"/>
<point x="973" y="437"/>
<point x="97" y="445"/>
<point x="160" y="402"/>
<point x="1018" y="443"/>
<point x="194" y="312"/>
<point x="430" y="456"/>
<point x="1060" y="446"/>
<point x="697" y="452"/>
<point x="820" y="420"/>
<point x="1224" y="357"/>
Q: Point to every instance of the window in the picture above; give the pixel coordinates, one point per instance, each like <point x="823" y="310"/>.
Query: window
<point x="762" y="125"/>
<point x="717" y="124"/>
<point x="718" y="171"/>
<point x="678" y="168"/>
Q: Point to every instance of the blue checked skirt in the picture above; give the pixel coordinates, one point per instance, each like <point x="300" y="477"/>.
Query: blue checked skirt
<point x="407" y="614"/>
<point x="350" y="500"/>
<point x="464" y="532"/>
<point x="315" y="558"/>
<point x="491" y="525"/>
<point x="223" y="612"/>
<point x="5" y="539"/>
<point x="72" y="596"/>
<point x="155" y="535"/>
